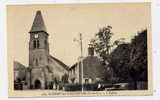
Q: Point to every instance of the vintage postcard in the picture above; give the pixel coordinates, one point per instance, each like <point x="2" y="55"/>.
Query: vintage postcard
<point x="95" y="49"/>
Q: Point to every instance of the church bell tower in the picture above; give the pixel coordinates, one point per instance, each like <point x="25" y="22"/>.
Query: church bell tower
<point x="38" y="44"/>
<point x="38" y="51"/>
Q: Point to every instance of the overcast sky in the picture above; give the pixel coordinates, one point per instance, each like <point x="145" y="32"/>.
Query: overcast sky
<point x="65" y="22"/>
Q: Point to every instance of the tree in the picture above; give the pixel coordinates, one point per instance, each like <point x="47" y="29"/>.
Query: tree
<point x="128" y="61"/>
<point x="102" y="46"/>
<point x="119" y="59"/>
<point x="138" y="57"/>
<point x="101" y="42"/>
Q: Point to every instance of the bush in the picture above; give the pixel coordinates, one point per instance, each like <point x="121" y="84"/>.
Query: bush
<point x="73" y="87"/>
<point x="86" y="87"/>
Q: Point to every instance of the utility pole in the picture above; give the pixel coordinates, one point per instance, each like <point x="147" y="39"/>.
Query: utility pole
<point x="81" y="44"/>
<point x="81" y="58"/>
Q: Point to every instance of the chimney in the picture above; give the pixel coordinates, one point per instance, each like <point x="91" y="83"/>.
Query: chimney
<point x="91" y="50"/>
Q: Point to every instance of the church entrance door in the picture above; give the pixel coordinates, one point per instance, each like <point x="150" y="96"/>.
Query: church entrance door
<point x="37" y="84"/>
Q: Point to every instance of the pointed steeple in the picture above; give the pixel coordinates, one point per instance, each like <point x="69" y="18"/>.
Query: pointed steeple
<point x="38" y="24"/>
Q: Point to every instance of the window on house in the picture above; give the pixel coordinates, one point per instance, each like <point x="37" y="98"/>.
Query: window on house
<point x="86" y="81"/>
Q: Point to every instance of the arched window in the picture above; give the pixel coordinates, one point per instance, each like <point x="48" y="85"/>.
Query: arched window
<point x="34" y="43"/>
<point x="36" y="62"/>
<point x="45" y="42"/>
<point x="37" y="43"/>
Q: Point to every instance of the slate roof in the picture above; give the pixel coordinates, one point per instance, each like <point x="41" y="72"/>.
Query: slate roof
<point x="60" y="62"/>
<point x="92" y="67"/>
<point x="38" y="23"/>
<point x="18" y="66"/>
<point x="73" y="66"/>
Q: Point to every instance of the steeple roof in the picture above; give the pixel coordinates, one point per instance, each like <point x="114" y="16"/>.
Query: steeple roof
<point x="38" y="23"/>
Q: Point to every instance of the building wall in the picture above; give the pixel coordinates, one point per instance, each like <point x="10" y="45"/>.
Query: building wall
<point x="57" y="69"/>
<point x="38" y="74"/>
<point x="74" y="73"/>
<point x="19" y="71"/>
<point x="93" y="70"/>
<point x="40" y="54"/>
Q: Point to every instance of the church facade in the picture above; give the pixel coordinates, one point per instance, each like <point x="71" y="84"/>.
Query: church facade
<point x="43" y="70"/>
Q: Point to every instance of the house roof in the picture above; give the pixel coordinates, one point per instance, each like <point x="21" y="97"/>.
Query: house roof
<point x="73" y="66"/>
<point x="18" y="65"/>
<point x="38" y="23"/>
<point x="60" y="62"/>
<point x="92" y="67"/>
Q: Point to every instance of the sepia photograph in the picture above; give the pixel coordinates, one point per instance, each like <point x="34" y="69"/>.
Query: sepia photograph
<point x="90" y="49"/>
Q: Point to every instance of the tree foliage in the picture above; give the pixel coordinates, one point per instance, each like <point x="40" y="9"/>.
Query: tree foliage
<point x="102" y="45"/>
<point x="138" y="57"/>
<point x="119" y="61"/>
<point x="128" y="61"/>
<point x="101" y="42"/>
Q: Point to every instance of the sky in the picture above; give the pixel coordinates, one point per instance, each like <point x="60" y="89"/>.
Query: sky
<point x="64" y="22"/>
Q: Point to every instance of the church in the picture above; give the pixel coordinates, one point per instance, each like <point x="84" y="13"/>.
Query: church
<point x="43" y="70"/>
